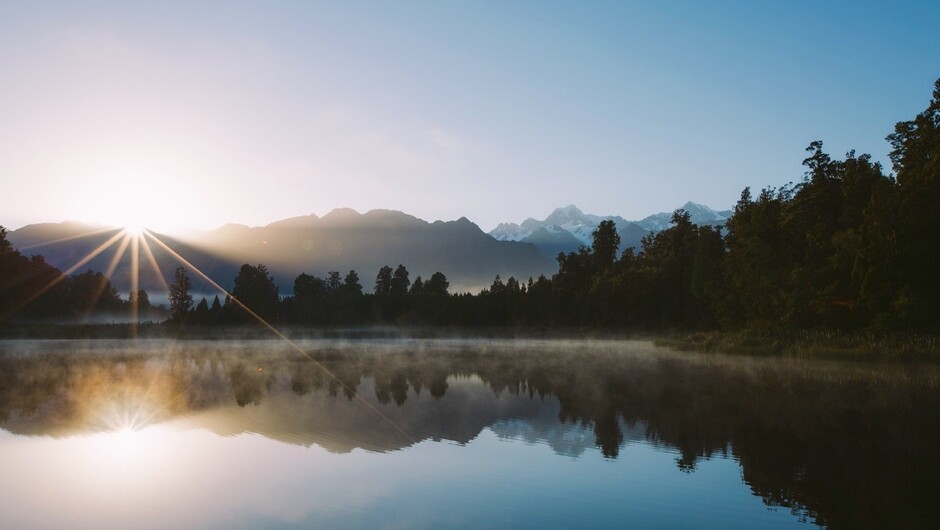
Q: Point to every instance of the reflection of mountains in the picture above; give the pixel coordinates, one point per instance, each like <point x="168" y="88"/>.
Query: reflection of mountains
<point x="340" y="424"/>
<point x="564" y="438"/>
<point x="849" y="446"/>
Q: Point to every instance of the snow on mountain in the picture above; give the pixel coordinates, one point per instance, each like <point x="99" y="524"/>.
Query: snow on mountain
<point x="570" y="219"/>
<point x="656" y="222"/>
<point x="699" y="213"/>
<point x="574" y="221"/>
<point x="509" y="232"/>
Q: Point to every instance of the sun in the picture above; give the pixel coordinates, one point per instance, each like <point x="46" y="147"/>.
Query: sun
<point x="137" y="200"/>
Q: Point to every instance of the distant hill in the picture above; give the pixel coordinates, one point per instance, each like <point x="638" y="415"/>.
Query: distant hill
<point x="565" y="229"/>
<point x="341" y="240"/>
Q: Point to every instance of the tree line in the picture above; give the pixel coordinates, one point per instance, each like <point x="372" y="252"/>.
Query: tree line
<point x="849" y="246"/>
<point x="32" y="289"/>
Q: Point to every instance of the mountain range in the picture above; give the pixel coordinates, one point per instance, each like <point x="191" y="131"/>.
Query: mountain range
<point x="341" y="240"/>
<point x="345" y="239"/>
<point x="565" y="229"/>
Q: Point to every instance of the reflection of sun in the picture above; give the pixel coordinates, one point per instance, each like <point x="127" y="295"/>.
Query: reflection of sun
<point x="128" y="415"/>
<point x="125" y="443"/>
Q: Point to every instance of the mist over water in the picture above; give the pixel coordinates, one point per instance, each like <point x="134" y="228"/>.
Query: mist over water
<point x="457" y="432"/>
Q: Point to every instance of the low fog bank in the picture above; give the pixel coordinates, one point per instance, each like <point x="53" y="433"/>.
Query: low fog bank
<point x="121" y="327"/>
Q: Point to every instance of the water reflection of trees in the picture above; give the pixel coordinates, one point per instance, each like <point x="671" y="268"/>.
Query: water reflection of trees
<point x="847" y="447"/>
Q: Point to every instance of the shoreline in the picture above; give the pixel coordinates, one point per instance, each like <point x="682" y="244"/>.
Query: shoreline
<point x="811" y="344"/>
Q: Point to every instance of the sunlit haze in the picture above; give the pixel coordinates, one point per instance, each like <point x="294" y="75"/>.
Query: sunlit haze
<point x="171" y="115"/>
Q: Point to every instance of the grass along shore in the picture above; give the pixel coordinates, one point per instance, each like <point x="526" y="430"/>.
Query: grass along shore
<point x="812" y="344"/>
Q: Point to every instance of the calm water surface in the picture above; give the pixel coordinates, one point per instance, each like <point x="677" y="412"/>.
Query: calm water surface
<point x="458" y="433"/>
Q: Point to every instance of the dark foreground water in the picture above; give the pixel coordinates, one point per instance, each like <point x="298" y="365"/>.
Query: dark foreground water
<point x="461" y="433"/>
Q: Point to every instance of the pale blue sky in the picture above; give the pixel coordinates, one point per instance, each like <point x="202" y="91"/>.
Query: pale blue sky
<point x="176" y="114"/>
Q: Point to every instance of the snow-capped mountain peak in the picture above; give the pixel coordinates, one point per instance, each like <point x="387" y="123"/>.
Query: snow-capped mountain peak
<point x="509" y="232"/>
<point x="570" y="214"/>
<point x="702" y="212"/>
<point x="581" y="226"/>
<point x="698" y="213"/>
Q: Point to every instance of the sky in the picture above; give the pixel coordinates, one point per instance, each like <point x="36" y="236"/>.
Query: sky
<point x="196" y="114"/>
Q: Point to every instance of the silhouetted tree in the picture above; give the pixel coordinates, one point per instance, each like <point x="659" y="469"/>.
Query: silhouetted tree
<point x="141" y="298"/>
<point x="180" y="299"/>
<point x="231" y="313"/>
<point x="22" y="278"/>
<point x="5" y="245"/>
<point x="201" y="313"/>
<point x="333" y="281"/>
<point x="605" y="245"/>
<point x="756" y="268"/>
<point x="309" y="300"/>
<point x="351" y="285"/>
<point x="400" y="282"/>
<point x="915" y="156"/>
<point x="92" y="292"/>
<point x="383" y="281"/>
<point x="145" y="309"/>
<point x="215" y="312"/>
<point x="437" y="285"/>
<point x="255" y="288"/>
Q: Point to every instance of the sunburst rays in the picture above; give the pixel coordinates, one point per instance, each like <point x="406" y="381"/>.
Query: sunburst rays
<point x="70" y="238"/>
<point x="125" y="238"/>
<point x="135" y="282"/>
<point x="148" y="253"/>
<point x="118" y="254"/>
<point x="58" y="279"/>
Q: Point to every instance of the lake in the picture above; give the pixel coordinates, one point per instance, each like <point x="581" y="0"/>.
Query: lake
<point x="411" y="433"/>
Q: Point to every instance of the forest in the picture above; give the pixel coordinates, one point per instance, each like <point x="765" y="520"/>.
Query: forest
<point x="850" y="246"/>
